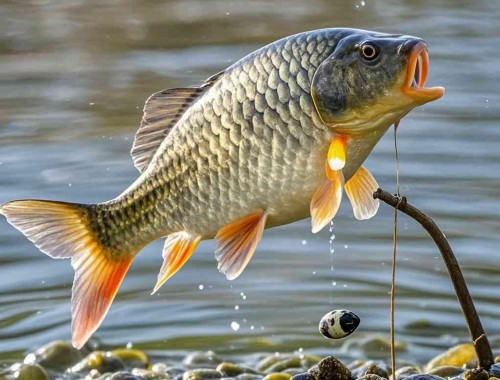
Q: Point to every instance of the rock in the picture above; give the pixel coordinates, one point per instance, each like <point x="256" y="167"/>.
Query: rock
<point x="57" y="355"/>
<point x="447" y="371"/>
<point x="495" y="370"/>
<point x="232" y="370"/>
<point x="378" y="345"/>
<point x="199" y="374"/>
<point x="293" y="370"/>
<point x="123" y="376"/>
<point x="404" y="372"/>
<point x="476" y="374"/>
<point x="267" y="362"/>
<point x="248" y="376"/>
<point x="30" y="372"/>
<point x="423" y="376"/>
<point x="373" y="369"/>
<point x="371" y="377"/>
<point x="280" y="365"/>
<point x="172" y="371"/>
<point x="132" y="358"/>
<point x="99" y="360"/>
<point x="208" y="359"/>
<point x="150" y="375"/>
<point x="497" y="359"/>
<point x="330" y="368"/>
<point x="278" y="376"/>
<point x="303" y="376"/>
<point x="456" y="356"/>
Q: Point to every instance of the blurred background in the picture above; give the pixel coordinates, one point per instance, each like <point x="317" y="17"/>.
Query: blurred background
<point x="74" y="76"/>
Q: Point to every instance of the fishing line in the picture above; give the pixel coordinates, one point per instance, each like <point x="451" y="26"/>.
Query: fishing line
<point x="394" y="252"/>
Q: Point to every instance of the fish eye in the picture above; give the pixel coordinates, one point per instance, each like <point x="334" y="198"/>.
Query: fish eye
<point x="368" y="51"/>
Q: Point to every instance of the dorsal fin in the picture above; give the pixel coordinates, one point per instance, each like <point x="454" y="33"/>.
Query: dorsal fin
<point x="161" y="112"/>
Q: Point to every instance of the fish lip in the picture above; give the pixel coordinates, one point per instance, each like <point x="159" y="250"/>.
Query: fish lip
<point x="417" y="71"/>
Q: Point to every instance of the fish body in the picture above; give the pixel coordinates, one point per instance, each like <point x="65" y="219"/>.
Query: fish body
<point x="272" y="139"/>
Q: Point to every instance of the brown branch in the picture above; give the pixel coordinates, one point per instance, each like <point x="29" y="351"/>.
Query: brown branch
<point x="479" y="338"/>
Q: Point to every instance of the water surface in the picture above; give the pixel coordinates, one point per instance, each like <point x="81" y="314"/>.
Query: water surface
<point x="73" y="80"/>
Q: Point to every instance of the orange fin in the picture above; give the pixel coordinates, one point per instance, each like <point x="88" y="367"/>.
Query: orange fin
<point x="62" y="230"/>
<point x="336" y="153"/>
<point x="236" y="243"/>
<point x="97" y="279"/>
<point x="177" y="249"/>
<point x="326" y="201"/>
<point x="360" y="189"/>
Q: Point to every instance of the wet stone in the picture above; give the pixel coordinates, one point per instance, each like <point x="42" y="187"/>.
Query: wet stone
<point x="497" y="359"/>
<point x="201" y="374"/>
<point x="404" y="372"/>
<point x="248" y="376"/>
<point x="447" y="371"/>
<point x="99" y="360"/>
<point x="294" y="370"/>
<point x="267" y="362"/>
<point x="150" y="375"/>
<point x="330" y="368"/>
<point x="280" y="365"/>
<point x="278" y="376"/>
<point x="373" y="369"/>
<point x="371" y="376"/>
<point x="303" y="376"/>
<point x="495" y="370"/>
<point x="123" y="376"/>
<point x="57" y="355"/>
<point x="423" y="376"/>
<point x="172" y="371"/>
<point x="208" y="359"/>
<point x="132" y="358"/>
<point x="232" y="370"/>
<point x="476" y="374"/>
<point x="31" y="372"/>
<point x="456" y="356"/>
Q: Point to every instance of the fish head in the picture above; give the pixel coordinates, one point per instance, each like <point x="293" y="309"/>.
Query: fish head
<point x="371" y="77"/>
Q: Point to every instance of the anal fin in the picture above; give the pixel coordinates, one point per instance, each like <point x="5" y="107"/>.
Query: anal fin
<point x="177" y="249"/>
<point x="326" y="200"/>
<point x="236" y="243"/>
<point x="360" y="189"/>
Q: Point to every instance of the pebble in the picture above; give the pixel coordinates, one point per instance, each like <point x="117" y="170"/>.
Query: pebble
<point x="338" y="324"/>
<point x="404" y="372"/>
<point x="278" y="376"/>
<point x="150" y="375"/>
<point x="303" y="376"/>
<point x="495" y="370"/>
<point x="330" y="368"/>
<point x="208" y="359"/>
<point x="31" y="372"/>
<point x="456" y="356"/>
<point x="57" y="355"/>
<point x="232" y="370"/>
<point x="373" y="369"/>
<point x="423" y="376"/>
<point x="99" y="360"/>
<point x="132" y="358"/>
<point x="371" y="376"/>
<point x="201" y="374"/>
<point x="476" y="374"/>
<point x="446" y="371"/>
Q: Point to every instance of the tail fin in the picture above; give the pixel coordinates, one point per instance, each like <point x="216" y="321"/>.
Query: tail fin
<point x="62" y="230"/>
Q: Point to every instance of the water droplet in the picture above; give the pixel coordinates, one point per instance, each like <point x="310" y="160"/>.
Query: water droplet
<point x="304" y="242"/>
<point x="200" y="286"/>
<point x="346" y="246"/>
<point x="129" y="345"/>
<point x="236" y="307"/>
<point x="70" y="184"/>
<point x="235" y="325"/>
<point x="252" y="327"/>
<point x="334" y="283"/>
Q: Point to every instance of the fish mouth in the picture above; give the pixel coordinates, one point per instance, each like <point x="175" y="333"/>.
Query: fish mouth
<point x="416" y="76"/>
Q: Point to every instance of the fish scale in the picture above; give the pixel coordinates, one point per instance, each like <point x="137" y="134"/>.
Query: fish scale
<point x="240" y="148"/>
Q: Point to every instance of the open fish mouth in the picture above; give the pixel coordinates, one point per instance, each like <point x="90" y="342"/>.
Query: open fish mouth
<point x="416" y="76"/>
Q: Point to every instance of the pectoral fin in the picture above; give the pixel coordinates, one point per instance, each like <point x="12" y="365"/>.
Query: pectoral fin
<point x="177" y="249"/>
<point x="360" y="189"/>
<point x="236" y="243"/>
<point x="326" y="200"/>
<point x="336" y="153"/>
